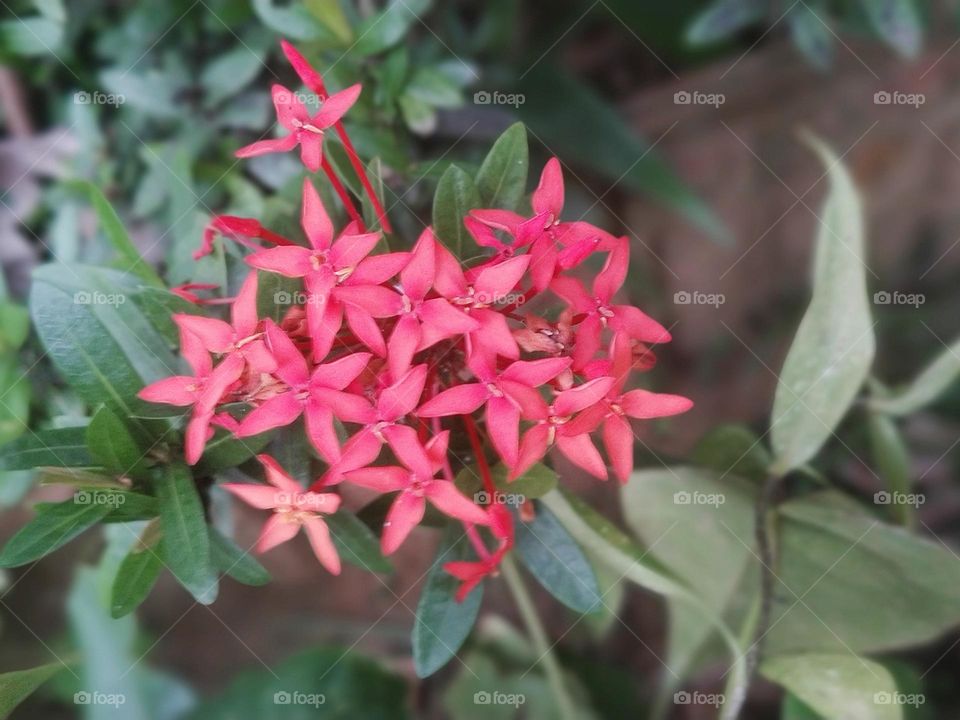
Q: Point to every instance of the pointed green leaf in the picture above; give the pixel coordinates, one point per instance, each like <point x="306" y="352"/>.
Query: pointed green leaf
<point x="112" y="446"/>
<point x="230" y="558"/>
<point x="17" y="686"/>
<point x="59" y="447"/>
<point x="734" y="450"/>
<point x="456" y="196"/>
<point x="135" y="578"/>
<point x="557" y="562"/>
<point x="442" y="623"/>
<point x="811" y="34"/>
<point x="834" y="345"/>
<point x="930" y="384"/>
<point x="897" y="22"/>
<point x="53" y="526"/>
<point x="186" y="543"/>
<point x="502" y="178"/>
<point x="723" y="18"/>
<point x="356" y="542"/>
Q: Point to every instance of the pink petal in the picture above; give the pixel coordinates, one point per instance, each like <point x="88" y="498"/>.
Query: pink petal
<point x="402" y="344"/>
<point x="311" y="150"/>
<point x="417" y="277"/>
<point x="494" y="336"/>
<point x="243" y="312"/>
<point x="215" y="335"/>
<point x="614" y="271"/>
<point x="404" y="515"/>
<point x="310" y="77"/>
<point x="587" y="341"/>
<point x="336" y="106"/>
<point x="277" y="476"/>
<point x="482" y="233"/>
<point x="499" y="219"/>
<point x="193" y="351"/>
<point x="638" y="325"/>
<point x="319" y="535"/>
<point x="449" y="280"/>
<point x="349" y="250"/>
<point x="321" y="432"/>
<point x="442" y="320"/>
<point x="436" y="448"/>
<point x="618" y="440"/>
<point x="291" y="113"/>
<point x="314" y="218"/>
<point x="347" y="407"/>
<point x="287" y="260"/>
<point x="340" y="373"/>
<point x="644" y="405"/>
<point x="528" y="400"/>
<point x="403" y="396"/>
<point x="458" y="400"/>
<point x="196" y="437"/>
<point x="580" y="450"/>
<point x="503" y="427"/>
<point x="259" y="359"/>
<point x="180" y="390"/>
<point x="494" y="282"/>
<point x="377" y="301"/>
<point x="219" y="381"/>
<point x="543" y="263"/>
<point x="533" y="447"/>
<point x="535" y="372"/>
<point x="276" y="531"/>
<point x="548" y="197"/>
<point x="291" y="365"/>
<point x="406" y="446"/>
<point x="362" y="324"/>
<point x="382" y="479"/>
<point x="583" y="396"/>
<point x="444" y="495"/>
<point x="359" y="451"/>
<point x="572" y="292"/>
<point x="263" y="147"/>
<point x="278" y="411"/>
<point x="262" y="497"/>
<point x="377" y="269"/>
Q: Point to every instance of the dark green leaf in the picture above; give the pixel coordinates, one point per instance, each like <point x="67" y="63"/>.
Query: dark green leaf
<point x="186" y="543"/>
<point x="227" y="451"/>
<point x="112" y="446"/>
<point x="17" y="686"/>
<point x="53" y="526"/>
<point x="557" y="562"/>
<point x="930" y="384"/>
<point x="14" y="326"/>
<point x="230" y="558"/>
<point x="442" y="623"/>
<point x="386" y="28"/>
<point x="135" y="578"/>
<point x="723" y="18"/>
<point x="502" y="179"/>
<point x="811" y="34"/>
<point x="229" y="73"/>
<point x="735" y="450"/>
<point x="356" y="542"/>
<point x="133" y="506"/>
<point x="892" y="461"/>
<point x="59" y="447"/>
<point x="897" y="22"/>
<point x="456" y="196"/>
<point x="430" y="86"/>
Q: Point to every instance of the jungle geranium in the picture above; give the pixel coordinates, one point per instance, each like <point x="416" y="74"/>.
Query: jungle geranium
<point x="403" y="353"/>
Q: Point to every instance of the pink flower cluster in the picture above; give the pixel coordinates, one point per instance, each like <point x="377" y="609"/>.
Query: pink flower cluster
<point x="404" y="348"/>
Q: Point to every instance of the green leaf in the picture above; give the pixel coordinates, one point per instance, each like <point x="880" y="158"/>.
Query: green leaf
<point x="832" y="350"/>
<point x="735" y="450"/>
<point x="386" y="28"/>
<point x="227" y="451"/>
<point x="897" y="22"/>
<point x="560" y="112"/>
<point x="419" y="116"/>
<point x="837" y="687"/>
<point x="930" y="384"/>
<point x="53" y="526"/>
<point x="502" y="178"/>
<point x="14" y="326"/>
<point x="59" y="447"/>
<point x="230" y="558"/>
<point x="327" y="682"/>
<point x="17" y="686"/>
<point x="557" y="562"/>
<point x="723" y="18"/>
<point x="186" y="543"/>
<point x="112" y="446"/>
<point x="116" y="234"/>
<point x="129" y="506"/>
<point x="292" y="21"/>
<point x="536" y="482"/>
<point x="794" y="709"/>
<point x="811" y="34"/>
<point x="332" y="17"/>
<point x="356" y="542"/>
<point x="892" y="461"/>
<point x="31" y="36"/>
<point x="102" y="345"/>
<point x="135" y="578"/>
<point x="229" y="73"/>
<point x="430" y="86"/>
<point x="443" y="624"/>
<point x="456" y="196"/>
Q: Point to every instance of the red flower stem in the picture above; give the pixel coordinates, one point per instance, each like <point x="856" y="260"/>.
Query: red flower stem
<point x="365" y="181"/>
<point x="478" y="451"/>
<point x="471" y="530"/>
<point x="342" y="193"/>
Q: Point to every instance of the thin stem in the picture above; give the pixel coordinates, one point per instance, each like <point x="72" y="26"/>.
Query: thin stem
<point x="365" y="181"/>
<point x="342" y="193"/>
<point x="478" y="451"/>
<point x="538" y="636"/>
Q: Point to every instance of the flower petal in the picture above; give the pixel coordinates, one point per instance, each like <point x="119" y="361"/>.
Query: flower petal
<point x="362" y="324"/>
<point x="638" y="325"/>
<point x="458" y="400"/>
<point x="495" y="281"/>
<point x="643" y="404"/>
<point x="278" y="411"/>
<point x="286" y="260"/>
<point x="618" y="440"/>
<point x="503" y="427"/>
<point x="336" y="106"/>
<point x="276" y="530"/>
<point x="314" y="218"/>
<point x="291" y="112"/>
<point x="291" y="365"/>
<point x="179" y="390"/>
<point x="417" y="276"/>
<point x="402" y="344"/>
<point x="535" y="372"/>
<point x="377" y="269"/>
<point x="548" y="197"/>
<point x="262" y="497"/>
<point x="349" y="250"/>
<point x="319" y="535"/>
<point x="444" y="495"/>
<point x="403" y="396"/>
<point x="272" y="145"/>
<point x="406" y="446"/>
<point x="321" y="432"/>
<point x="277" y="476"/>
<point x="215" y="335"/>
<point x="404" y="515"/>
<point x="581" y="451"/>
<point x="583" y="396"/>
